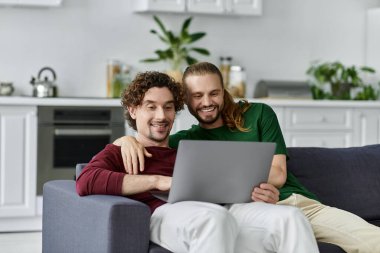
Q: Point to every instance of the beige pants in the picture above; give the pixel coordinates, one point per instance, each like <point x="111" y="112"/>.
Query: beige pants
<point x="336" y="226"/>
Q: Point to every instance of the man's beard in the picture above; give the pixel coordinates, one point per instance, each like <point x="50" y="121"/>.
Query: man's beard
<point x="206" y="121"/>
<point x="151" y="136"/>
<point x="159" y="139"/>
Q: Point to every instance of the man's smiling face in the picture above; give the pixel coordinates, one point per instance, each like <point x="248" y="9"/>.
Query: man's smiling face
<point x="205" y="99"/>
<point x="154" y="116"/>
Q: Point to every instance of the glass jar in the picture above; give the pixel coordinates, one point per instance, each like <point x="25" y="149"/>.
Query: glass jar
<point x="237" y="83"/>
<point x="225" y="65"/>
<point x="118" y="78"/>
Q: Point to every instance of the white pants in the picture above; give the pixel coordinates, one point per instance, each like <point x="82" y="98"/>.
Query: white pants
<point x="199" y="227"/>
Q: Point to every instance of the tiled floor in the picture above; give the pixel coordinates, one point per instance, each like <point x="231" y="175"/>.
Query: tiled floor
<point x="21" y="242"/>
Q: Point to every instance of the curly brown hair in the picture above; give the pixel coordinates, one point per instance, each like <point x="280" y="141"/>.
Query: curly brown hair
<point x="232" y="112"/>
<point x="134" y="94"/>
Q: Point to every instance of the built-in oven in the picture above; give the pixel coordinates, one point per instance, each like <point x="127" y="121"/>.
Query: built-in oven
<point x="71" y="135"/>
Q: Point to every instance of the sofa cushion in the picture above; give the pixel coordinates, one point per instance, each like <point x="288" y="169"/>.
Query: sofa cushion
<point x="347" y="178"/>
<point x="154" y="248"/>
<point x="375" y="222"/>
<point x="329" y="248"/>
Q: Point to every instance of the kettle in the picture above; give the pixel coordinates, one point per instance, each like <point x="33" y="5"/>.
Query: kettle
<point x="43" y="86"/>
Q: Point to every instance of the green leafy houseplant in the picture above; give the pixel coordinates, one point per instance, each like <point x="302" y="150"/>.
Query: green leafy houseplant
<point x="333" y="80"/>
<point x="178" y="49"/>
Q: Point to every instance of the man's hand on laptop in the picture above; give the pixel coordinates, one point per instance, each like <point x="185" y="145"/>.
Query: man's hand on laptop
<point x="265" y="193"/>
<point x="133" y="154"/>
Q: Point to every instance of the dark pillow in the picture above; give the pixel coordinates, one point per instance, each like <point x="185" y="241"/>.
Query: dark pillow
<point x="347" y="178"/>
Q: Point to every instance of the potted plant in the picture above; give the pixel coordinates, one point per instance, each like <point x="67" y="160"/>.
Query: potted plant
<point x="178" y="49"/>
<point x="333" y="80"/>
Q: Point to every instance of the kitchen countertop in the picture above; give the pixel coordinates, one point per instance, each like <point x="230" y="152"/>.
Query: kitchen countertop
<point x="318" y="103"/>
<point x="90" y="101"/>
<point x="60" y="101"/>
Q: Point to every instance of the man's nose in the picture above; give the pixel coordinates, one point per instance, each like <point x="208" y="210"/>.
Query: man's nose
<point x="206" y="100"/>
<point x="160" y="113"/>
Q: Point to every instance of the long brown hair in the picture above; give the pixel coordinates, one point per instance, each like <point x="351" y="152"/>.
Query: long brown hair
<point x="232" y="113"/>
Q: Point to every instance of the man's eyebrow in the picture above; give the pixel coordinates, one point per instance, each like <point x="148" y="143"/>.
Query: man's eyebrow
<point x="148" y="102"/>
<point x="154" y="102"/>
<point x="201" y="92"/>
<point x="196" y="92"/>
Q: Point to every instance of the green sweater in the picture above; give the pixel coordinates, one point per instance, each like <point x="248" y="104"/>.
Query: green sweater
<point x="263" y="126"/>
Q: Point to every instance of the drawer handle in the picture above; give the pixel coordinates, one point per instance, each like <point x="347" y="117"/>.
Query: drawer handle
<point x="82" y="132"/>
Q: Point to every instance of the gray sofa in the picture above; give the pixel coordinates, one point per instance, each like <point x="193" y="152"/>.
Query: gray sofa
<point x="347" y="178"/>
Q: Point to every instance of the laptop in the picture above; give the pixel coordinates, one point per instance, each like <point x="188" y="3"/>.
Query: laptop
<point x="220" y="172"/>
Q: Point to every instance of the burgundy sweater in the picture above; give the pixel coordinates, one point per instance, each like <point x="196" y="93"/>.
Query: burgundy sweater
<point x="105" y="172"/>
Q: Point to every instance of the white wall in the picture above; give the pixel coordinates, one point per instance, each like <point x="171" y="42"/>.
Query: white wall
<point x="77" y="38"/>
<point x="373" y="40"/>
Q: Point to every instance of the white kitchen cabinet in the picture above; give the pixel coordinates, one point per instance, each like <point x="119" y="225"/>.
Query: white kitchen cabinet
<point x="315" y="127"/>
<point x="159" y="5"/>
<point x="315" y="138"/>
<point x="31" y="3"/>
<point x="228" y="7"/>
<point x="18" y="128"/>
<point x="367" y="126"/>
<point x="20" y="207"/>
<point x="245" y="7"/>
<point x="206" y="6"/>
<point x="223" y="7"/>
<point x="309" y="118"/>
<point x="280" y="114"/>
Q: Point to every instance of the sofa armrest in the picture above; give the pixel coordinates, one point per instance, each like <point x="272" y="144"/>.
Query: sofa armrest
<point x="96" y="223"/>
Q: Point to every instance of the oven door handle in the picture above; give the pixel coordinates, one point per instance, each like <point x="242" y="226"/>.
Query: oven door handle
<point x="82" y="132"/>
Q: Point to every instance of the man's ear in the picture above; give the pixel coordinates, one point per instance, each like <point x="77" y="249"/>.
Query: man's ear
<point x="132" y="112"/>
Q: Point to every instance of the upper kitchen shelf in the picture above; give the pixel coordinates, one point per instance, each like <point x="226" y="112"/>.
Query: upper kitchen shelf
<point x="218" y="7"/>
<point x="31" y="3"/>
